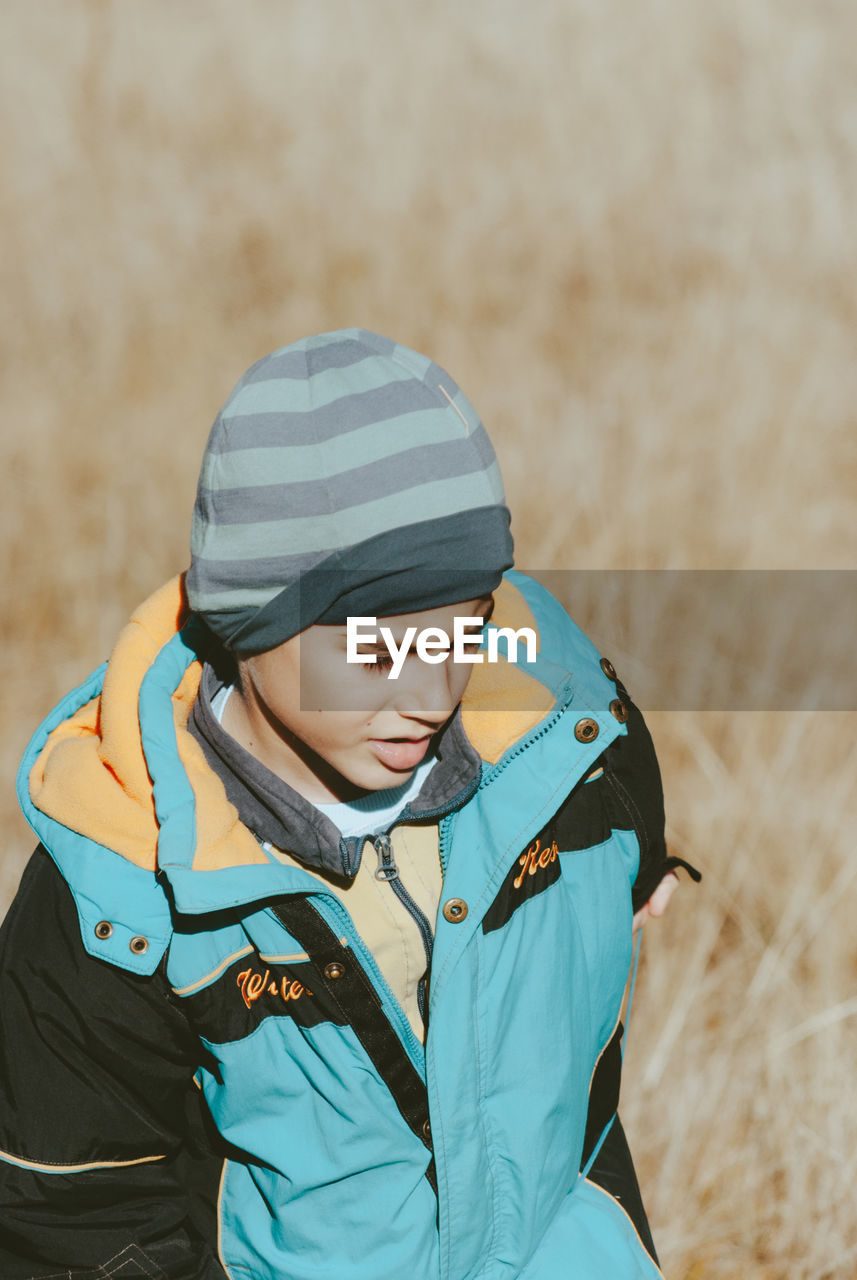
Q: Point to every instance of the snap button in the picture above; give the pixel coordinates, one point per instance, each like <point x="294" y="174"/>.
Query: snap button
<point x="586" y="729"/>
<point x="455" y="910"/>
<point x="619" y="710"/>
<point x="608" y="668"/>
<point x="427" y="1131"/>
<point x="139" y="944"/>
<point x="103" y="930"/>
<point x="334" y="970"/>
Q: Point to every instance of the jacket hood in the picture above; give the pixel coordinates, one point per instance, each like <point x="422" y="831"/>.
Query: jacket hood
<point x="115" y="770"/>
<point x="92" y="774"/>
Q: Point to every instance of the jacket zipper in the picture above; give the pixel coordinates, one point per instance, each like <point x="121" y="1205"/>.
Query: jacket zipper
<point x="387" y="870"/>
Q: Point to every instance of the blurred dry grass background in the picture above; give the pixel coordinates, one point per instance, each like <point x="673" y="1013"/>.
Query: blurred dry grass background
<point x="628" y="230"/>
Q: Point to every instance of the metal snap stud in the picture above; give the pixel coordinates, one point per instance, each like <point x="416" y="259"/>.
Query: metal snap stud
<point x="586" y="729"/>
<point x="103" y="930"/>
<point x="427" y="1131"/>
<point x="608" y="668"/>
<point x="619" y="710"/>
<point x="334" y="970"/>
<point x="139" y="945"/>
<point x="455" y="910"/>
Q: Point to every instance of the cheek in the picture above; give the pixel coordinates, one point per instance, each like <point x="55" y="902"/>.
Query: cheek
<point x="309" y="686"/>
<point x="333" y="731"/>
<point x="350" y="690"/>
<point x="276" y="677"/>
<point x="460" y="673"/>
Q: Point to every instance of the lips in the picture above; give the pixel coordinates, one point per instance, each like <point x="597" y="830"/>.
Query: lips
<point x="401" y="753"/>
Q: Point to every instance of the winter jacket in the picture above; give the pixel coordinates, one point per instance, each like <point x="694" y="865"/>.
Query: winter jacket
<point x="204" y="1070"/>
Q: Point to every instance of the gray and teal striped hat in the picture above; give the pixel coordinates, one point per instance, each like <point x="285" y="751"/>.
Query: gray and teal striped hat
<point x="346" y="475"/>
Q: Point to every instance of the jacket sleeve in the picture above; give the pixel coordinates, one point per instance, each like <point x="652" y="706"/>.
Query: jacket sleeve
<point x="634" y="777"/>
<point x="97" y="1165"/>
<point x="635" y="799"/>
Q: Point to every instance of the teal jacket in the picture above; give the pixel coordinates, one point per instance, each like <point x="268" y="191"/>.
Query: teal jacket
<point x="198" y="1005"/>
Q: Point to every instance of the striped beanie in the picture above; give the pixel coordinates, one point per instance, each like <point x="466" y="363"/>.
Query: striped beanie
<point x="345" y="476"/>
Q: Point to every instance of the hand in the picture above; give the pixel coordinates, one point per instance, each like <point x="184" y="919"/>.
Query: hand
<point x="659" y="901"/>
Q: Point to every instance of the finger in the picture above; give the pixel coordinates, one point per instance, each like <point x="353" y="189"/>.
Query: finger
<point x="659" y="900"/>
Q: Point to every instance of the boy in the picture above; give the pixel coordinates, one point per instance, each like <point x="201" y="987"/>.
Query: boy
<point x="316" y="973"/>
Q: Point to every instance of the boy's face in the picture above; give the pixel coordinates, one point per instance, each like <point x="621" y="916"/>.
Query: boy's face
<point x="334" y="729"/>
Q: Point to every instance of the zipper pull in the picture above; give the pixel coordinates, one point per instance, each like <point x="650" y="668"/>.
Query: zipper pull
<point x="386" y="868"/>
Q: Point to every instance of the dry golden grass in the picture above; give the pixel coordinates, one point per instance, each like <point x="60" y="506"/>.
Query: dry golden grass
<point x="628" y="230"/>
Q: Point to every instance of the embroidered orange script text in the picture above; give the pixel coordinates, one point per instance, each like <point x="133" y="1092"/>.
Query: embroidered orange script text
<point x="534" y="860"/>
<point x="253" y="985"/>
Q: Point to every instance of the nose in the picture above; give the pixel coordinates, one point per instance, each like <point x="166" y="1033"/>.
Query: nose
<point x="424" y="690"/>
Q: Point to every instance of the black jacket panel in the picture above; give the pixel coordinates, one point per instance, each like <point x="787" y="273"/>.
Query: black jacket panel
<point x="96" y="1065"/>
